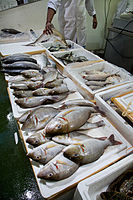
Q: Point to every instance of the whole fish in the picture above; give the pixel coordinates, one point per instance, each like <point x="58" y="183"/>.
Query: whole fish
<point x="11" y="60"/>
<point x="17" y="78"/>
<point x="39" y="117"/>
<point x="23" y="93"/>
<point x="88" y="151"/>
<point x="21" y="65"/>
<point x="3" y="59"/>
<point x="97" y="83"/>
<point x="49" y="77"/>
<point x="58" y="168"/>
<point x="39" y="77"/>
<point x="54" y="83"/>
<point x="30" y="73"/>
<point x="30" y="102"/>
<point x="12" y="72"/>
<point x="56" y="90"/>
<point x="45" y="152"/>
<point x="20" y="85"/>
<point x="97" y="77"/>
<point x="34" y="85"/>
<point x="68" y="120"/>
<point x="72" y="138"/>
<point x="37" y="138"/>
<point x="77" y="102"/>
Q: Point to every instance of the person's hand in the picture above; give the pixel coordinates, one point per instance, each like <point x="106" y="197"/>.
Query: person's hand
<point x="94" y="22"/>
<point x="48" y="28"/>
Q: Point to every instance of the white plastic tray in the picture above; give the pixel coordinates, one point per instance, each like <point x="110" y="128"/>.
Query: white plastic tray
<point x="77" y="52"/>
<point x="91" y="188"/>
<point x="73" y="72"/>
<point x="124" y="128"/>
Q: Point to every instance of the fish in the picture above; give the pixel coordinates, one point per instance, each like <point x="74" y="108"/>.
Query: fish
<point x="54" y="83"/>
<point x="19" y="58"/>
<point x="97" y="83"/>
<point x="56" y="90"/>
<point x="95" y="87"/>
<point x="3" y="59"/>
<point x="37" y="138"/>
<point x="30" y="102"/>
<point x="10" y="30"/>
<point x="45" y="152"/>
<point x="76" y="102"/>
<point x="30" y="73"/>
<point x="38" y="118"/>
<point x="44" y="61"/>
<point x="58" y="168"/>
<point x="88" y="151"/>
<point x="88" y="125"/>
<point x="20" y="86"/>
<point x="50" y="76"/>
<point x="98" y="76"/>
<point x="23" y="93"/>
<point x="68" y="120"/>
<point x="24" y="116"/>
<point x="21" y="65"/>
<point x="11" y="72"/>
<point x="17" y="78"/>
<point x="33" y="85"/>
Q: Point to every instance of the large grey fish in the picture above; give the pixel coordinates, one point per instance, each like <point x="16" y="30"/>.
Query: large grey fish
<point x="45" y="152"/>
<point x="30" y="102"/>
<point x="13" y="59"/>
<point x="37" y="138"/>
<point x="71" y="138"/>
<point x="30" y="73"/>
<point x="6" y="58"/>
<point x="56" y="90"/>
<point x="58" y="168"/>
<point x="77" y="102"/>
<point x="23" y="85"/>
<point x="88" y="151"/>
<point x="11" y="72"/>
<point x="21" y="65"/>
<point x="33" y="85"/>
<point x="39" y="117"/>
<point x="23" y="93"/>
<point x="68" y="120"/>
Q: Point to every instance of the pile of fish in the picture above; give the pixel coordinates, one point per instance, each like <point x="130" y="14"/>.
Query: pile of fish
<point x="97" y="79"/>
<point x="56" y="139"/>
<point x="121" y="188"/>
<point x="68" y="58"/>
<point x="58" y="46"/>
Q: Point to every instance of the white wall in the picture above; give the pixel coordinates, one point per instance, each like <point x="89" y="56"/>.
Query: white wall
<point x="33" y="16"/>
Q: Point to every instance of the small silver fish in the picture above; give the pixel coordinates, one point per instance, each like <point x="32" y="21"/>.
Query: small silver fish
<point x="45" y="152"/>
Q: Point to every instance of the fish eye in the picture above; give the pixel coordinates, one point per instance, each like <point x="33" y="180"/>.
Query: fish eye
<point x="38" y="157"/>
<point x="50" y="174"/>
<point x="59" y="126"/>
<point x="76" y="155"/>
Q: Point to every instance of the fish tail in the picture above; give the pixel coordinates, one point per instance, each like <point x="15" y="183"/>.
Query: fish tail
<point x="113" y="141"/>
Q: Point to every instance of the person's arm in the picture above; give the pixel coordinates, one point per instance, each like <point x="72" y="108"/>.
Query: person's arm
<point x="48" y="27"/>
<point x="91" y="10"/>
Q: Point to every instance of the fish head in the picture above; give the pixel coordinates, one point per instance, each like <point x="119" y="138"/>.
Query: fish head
<point x="57" y="126"/>
<point x="34" y="140"/>
<point x="47" y="173"/>
<point x="72" y="152"/>
<point x="35" y="155"/>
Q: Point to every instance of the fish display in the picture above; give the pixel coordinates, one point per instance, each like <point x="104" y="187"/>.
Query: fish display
<point x="45" y="152"/>
<point x="121" y="188"/>
<point x="96" y="79"/>
<point x="39" y="117"/>
<point x="89" y="150"/>
<point x="37" y="138"/>
<point x="30" y="102"/>
<point x="56" y="90"/>
<point x="70" y="58"/>
<point x="58" y="168"/>
<point x="68" y="120"/>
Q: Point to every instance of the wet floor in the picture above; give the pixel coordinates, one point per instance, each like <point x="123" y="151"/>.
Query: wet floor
<point x="17" y="181"/>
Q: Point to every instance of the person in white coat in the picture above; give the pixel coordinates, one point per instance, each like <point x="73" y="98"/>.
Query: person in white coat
<point x="71" y="18"/>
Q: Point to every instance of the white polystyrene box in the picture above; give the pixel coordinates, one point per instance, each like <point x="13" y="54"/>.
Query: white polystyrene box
<point x="91" y="188"/>
<point x="74" y="72"/>
<point x="118" y="121"/>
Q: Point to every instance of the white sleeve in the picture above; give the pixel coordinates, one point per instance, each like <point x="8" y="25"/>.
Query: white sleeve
<point x="54" y="4"/>
<point x="89" y="4"/>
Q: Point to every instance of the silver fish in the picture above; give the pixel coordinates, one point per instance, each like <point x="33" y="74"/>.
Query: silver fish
<point x="89" y="150"/>
<point x="97" y="83"/>
<point x="30" y="73"/>
<point x="23" y="93"/>
<point x="39" y="117"/>
<point x="45" y="152"/>
<point x="17" y="78"/>
<point x="56" y="90"/>
<point x="68" y="120"/>
<point x="30" y="102"/>
<point x="8" y="59"/>
<point x="72" y="138"/>
<point x="54" y="83"/>
<point x="58" y="168"/>
<point x="37" y="138"/>
<point x="88" y="125"/>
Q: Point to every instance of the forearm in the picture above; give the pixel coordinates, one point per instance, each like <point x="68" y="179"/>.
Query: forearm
<point x="50" y="15"/>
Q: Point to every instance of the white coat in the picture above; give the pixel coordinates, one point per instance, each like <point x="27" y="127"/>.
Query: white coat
<point x="71" y="18"/>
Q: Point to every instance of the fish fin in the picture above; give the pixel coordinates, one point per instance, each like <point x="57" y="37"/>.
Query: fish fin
<point x="102" y="138"/>
<point x="113" y="141"/>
